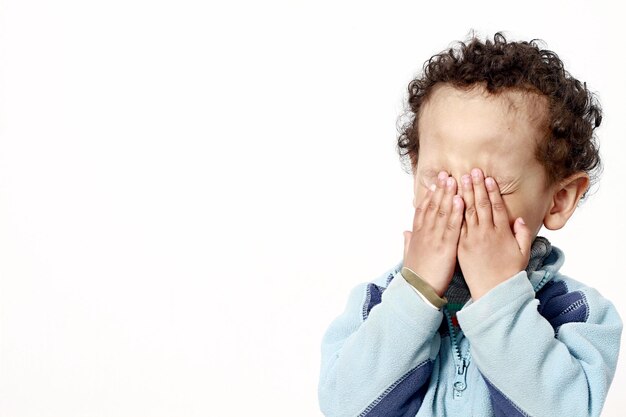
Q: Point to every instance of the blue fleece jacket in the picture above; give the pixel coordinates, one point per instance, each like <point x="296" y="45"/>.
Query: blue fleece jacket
<point x="538" y="344"/>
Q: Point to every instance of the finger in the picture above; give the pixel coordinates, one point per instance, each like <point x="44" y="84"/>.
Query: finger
<point x="499" y="212"/>
<point x="433" y="210"/>
<point x="445" y="207"/>
<point x="453" y="229"/>
<point x="481" y="198"/>
<point x="523" y="236"/>
<point x="468" y="197"/>
<point x="420" y="210"/>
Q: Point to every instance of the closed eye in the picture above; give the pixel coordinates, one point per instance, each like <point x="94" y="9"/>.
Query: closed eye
<point x="505" y="192"/>
<point x="504" y="184"/>
<point x="428" y="177"/>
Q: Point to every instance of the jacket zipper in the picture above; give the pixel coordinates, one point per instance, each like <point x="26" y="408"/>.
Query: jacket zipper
<point x="461" y="362"/>
<point x="544" y="280"/>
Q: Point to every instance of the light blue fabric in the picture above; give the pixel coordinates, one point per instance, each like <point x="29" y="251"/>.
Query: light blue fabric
<point x="540" y="344"/>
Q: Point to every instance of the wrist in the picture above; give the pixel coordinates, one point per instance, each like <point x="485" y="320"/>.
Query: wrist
<point x="427" y="290"/>
<point x="486" y="285"/>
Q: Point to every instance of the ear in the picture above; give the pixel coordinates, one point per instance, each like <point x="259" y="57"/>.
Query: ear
<point x="565" y="199"/>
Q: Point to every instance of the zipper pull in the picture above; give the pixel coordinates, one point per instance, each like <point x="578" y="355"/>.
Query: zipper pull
<point x="460" y="379"/>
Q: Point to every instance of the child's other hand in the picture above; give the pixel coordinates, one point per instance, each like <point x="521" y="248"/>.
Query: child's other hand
<point x="489" y="251"/>
<point x="430" y="249"/>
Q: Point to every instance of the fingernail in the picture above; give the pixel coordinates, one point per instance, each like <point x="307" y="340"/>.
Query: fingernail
<point x="475" y="173"/>
<point x="466" y="179"/>
<point x="450" y="182"/>
<point x="521" y="221"/>
<point x="489" y="183"/>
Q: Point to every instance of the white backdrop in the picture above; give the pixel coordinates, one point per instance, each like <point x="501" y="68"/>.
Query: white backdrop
<point x="188" y="191"/>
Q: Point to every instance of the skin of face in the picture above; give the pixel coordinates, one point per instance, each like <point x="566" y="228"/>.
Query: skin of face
<point x="460" y="130"/>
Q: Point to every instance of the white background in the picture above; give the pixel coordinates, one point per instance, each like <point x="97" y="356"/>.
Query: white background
<point x="188" y="191"/>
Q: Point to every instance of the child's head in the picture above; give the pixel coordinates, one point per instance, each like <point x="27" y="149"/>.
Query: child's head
<point x="511" y="110"/>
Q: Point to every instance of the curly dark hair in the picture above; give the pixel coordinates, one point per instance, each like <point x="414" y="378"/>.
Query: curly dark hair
<point x="569" y="144"/>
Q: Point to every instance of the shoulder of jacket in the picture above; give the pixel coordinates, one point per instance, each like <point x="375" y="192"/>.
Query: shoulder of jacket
<point x="385" y="278"/>
<point x="568" y="293"/>
<point x="366" y="295"/>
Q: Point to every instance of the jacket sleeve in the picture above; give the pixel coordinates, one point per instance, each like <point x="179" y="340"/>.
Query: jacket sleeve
<point x="377" y="356"/>
<point x="554" y="355"/>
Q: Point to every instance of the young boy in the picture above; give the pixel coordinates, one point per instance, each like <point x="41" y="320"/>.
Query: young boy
<point x="477" y="320"/>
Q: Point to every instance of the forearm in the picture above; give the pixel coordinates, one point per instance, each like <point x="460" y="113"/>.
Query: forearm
<point x="530" y="369"/>
<point x="362" y="360"/>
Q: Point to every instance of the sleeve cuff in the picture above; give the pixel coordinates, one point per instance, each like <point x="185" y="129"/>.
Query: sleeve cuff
<point x="499" y="301"/>
<point x="410" y="308"/>
<point x="423" y="289"/>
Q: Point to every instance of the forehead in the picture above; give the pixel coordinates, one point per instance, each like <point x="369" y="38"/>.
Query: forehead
<point x="461" y="129"/>
<point x="520" y="107"/>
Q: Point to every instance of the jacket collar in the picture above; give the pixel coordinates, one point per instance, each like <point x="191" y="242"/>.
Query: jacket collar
<point x="550" y="267"/>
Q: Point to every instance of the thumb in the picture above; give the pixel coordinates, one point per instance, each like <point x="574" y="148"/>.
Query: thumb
<point x="523" y="236"/>
<point x="407" y="239"/>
